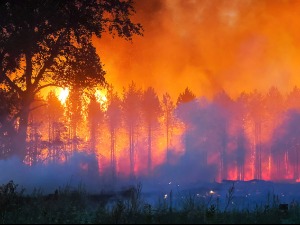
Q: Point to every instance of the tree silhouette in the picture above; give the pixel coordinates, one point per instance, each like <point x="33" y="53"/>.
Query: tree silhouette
<point x="223" y="106"/>
<point x="275" y="109"/>
<point x="151" y="111"/>
<point x="56" y="127"/>
<point x="292" y="101"/>
<point x="9" y="104"/>
<point x="113" y="117"/>
<point x="168" y="108"/>
<point x="257" y="112"/>
<point x="131" y="110"/>
<point x="241" y="117"/>
<point x="184" y="107"/>
<point x="37" y="118"/>
<point x="285" y="146"/>
<point x="186" y="96"/>
<point x="74" y="105"/>
<point x="49" y="43"/>
<point x="95" y="118"/>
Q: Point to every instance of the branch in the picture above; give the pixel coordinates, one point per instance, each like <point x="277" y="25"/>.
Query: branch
<point x="18" y="114"/>
<point x="41" y="72"/>
<point x="53" y="54"/>
<point x="36" y="107"/>
<point x="11" y="83"/>
<point x="44" y="86"/>
<point x="28" y="70"/>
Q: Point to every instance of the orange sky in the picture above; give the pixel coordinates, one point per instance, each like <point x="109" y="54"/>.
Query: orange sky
<point x="207" y="45"/>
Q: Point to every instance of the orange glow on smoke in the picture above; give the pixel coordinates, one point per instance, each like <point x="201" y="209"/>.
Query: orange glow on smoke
<point x="208" y="45"/>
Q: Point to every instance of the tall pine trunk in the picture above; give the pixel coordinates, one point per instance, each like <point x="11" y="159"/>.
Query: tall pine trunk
<point x="149" y="149"/>
<point x="131" y="151"/>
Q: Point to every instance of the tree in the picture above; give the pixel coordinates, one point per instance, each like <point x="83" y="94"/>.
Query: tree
<point x="151" y="111"/>
<point x="56" y="127"/>
<point x="49" y="43"/>
<point x="113" y="117"/>
<point x="186" y="102"/>
<point x="257" y="113"/>
<point x="186" y="96"/>
<point x="168" y="111"/>
<point x="286" y="143"/>
<point x="95" y="117"/>
<point x="36" y="121"/>
<point x="8" y="107"/>
<point x="292" y="101"/>
<point x="131" y="110"/>
<point x="240" y="119"/>
<point x="55" y="112"/>
<point x="223" y="106"/>
<point x="74" y="105"/>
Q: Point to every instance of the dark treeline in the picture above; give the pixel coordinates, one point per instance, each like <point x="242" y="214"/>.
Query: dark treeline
<point x="137" y="132"/>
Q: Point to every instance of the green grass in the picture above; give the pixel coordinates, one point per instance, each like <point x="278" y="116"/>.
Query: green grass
<point x="69" y="206"/>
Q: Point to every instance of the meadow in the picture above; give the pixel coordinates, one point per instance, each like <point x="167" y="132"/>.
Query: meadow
<point x="69" y="205"/>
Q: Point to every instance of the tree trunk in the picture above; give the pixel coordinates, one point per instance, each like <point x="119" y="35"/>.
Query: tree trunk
<point x="167" y="130"/>
<point x="19" y="141"/>
<point x="131" y="150"/>
<point x="149" y="149"/>
<point x="113" y="152"/>
<point x="258" y="171"/>
<point x="93" y="136"/>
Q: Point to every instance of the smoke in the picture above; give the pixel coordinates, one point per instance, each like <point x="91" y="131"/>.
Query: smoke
<point x="285" y="141"/>
<point x="80" y="171"/>
<point x="199" y="162"/>
<point x="208" y="45"/>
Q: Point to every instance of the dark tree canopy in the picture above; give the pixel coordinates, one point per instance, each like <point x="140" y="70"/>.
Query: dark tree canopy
<point x="50" y="42"/>
<point x="186" y="96"/>
<point x="151" y="105"/>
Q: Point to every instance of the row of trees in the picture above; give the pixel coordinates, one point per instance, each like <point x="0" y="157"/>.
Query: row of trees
<point x="252" y="136"/>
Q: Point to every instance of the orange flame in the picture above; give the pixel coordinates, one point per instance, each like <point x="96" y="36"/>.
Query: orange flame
<point x="62" y="94"/>
<point x="101" y="98"/>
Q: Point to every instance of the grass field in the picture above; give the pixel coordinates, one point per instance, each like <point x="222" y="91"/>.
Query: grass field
<point x="76" y="206"/>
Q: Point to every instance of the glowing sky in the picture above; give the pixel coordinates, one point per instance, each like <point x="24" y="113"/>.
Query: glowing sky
<point x="207" y="45"/>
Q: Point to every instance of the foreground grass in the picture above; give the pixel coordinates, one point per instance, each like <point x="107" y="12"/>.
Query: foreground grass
<point x="67" y="206"/>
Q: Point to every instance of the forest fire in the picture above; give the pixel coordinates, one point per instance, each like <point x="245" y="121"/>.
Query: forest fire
<point x="219" y="102"/>
<point x="211" y="140"/>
